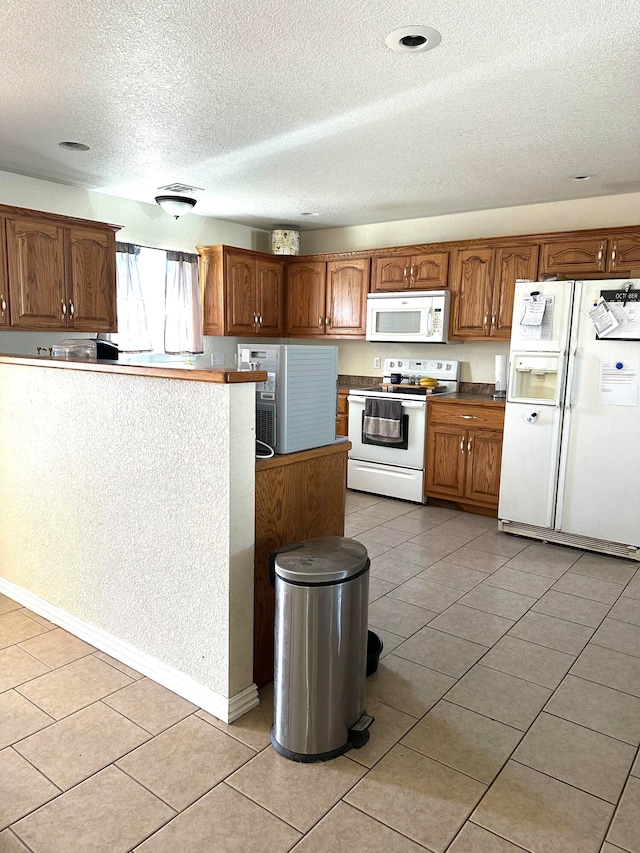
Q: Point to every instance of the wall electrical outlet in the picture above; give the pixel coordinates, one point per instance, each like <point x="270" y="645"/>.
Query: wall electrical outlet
<point x="377" y="363"/>
<point x="217" y="359"/>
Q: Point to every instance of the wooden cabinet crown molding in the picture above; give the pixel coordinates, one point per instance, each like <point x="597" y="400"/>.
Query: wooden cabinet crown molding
<point x="476" y="242"/>
<point x="57" y="218"/>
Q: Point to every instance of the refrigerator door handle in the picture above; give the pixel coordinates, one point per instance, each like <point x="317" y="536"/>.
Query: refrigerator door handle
<point x="572" y="374"/>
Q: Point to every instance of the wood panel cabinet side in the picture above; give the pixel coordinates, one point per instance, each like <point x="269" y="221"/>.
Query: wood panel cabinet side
<point x="324" y="481"/>
<point x="211" y="274"/>
<point x="278" y="522"/>
<point x="5" y="311"/>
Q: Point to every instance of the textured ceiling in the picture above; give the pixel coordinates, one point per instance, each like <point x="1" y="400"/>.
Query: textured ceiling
<point x="277" y="109"/>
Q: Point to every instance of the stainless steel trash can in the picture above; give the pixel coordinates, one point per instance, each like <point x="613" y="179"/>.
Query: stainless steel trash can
<point x="322" y="592"/>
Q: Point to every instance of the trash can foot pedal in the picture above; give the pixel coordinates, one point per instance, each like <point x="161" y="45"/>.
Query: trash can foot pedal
<point x="359" y="732"/>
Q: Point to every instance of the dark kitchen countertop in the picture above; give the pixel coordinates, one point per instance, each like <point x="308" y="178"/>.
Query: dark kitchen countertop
<point x="466" y="397"/>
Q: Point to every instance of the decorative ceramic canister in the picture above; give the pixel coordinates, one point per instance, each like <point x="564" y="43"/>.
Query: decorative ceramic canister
<point x="285" y="241"/>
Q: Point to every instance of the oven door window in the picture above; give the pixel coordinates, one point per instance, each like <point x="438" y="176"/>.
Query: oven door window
<point x="407" y="322"/>
<point x="400" y="445"/>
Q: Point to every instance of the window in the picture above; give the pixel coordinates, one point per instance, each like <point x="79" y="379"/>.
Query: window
<point x="158" y="301"/>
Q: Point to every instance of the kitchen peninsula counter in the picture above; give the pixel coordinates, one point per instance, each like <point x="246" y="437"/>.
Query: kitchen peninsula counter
<point x="127" y="497"/>
<point x="219" y="375"/>
<point x="298" y="496"/>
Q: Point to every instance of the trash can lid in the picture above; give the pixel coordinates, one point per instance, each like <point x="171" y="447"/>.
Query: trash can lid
<point x="324" y="560"/>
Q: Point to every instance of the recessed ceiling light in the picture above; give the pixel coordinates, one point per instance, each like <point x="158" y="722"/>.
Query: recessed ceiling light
<point x="74" y="146"/>
<point x="413" y="39"/>
<point x="579" y="177"/>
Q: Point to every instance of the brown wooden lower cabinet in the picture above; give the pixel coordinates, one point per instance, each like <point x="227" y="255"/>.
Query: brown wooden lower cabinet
<point x="342" y="418"/>
<point x="464" y="452"/>
<point x="298" y="496"/>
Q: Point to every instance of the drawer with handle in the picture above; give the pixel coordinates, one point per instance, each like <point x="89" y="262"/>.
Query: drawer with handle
<point x="464" y="415"/>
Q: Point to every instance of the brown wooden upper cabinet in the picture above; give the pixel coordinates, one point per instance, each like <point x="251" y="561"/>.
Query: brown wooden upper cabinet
<point x="577" y="256"/>
<point x="327" y="299"/>
<point x="242" y="292"/>
<point x="483" y="283"/>
<point x="61" y="275"/>
<point x="412" y="272"/>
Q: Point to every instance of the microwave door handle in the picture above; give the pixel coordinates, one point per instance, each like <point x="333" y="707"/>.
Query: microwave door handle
<point x="430" y="322"/>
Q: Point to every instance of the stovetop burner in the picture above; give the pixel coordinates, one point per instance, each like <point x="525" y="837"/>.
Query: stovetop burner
<point x="412" y="371"/>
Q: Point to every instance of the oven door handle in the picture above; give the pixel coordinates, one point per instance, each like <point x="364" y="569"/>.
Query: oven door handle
<point x="406" y="404"/>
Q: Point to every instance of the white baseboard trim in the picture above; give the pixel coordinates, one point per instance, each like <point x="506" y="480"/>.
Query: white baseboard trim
<point x="225" y="709"/>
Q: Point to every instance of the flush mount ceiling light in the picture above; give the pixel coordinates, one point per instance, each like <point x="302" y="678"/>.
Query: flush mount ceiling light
<point x="413" y="39"/>
<point x="176" y="205"/>
<point x="74" y="146"/>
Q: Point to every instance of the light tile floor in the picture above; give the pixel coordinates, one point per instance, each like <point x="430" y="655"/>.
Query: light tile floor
<point x="507" y="706"/>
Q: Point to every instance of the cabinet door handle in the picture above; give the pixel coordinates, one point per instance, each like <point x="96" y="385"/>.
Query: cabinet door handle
<point x="327" y="320"/>
<point x="320" y="321"/>
<point x="469" y="417"/>
<point x="404" y="274"/>
<point x="484" y="322"/>
<point x="462" y="445"/>
<point x="613" y="255"/>
<point x="600" y="254"/>
<point x="3" y="304"/>
<point x="469" y="446"/>
<point x="493" y="321"/>
<point x="64" y="309"/>
<point x="260" y="319"/>
<point x="72" y="310"/>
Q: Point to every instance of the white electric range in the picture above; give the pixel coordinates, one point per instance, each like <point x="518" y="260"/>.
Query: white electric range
<point x="397" y="470"/>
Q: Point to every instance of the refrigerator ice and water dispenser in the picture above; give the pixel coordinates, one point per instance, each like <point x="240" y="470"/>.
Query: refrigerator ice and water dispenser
<point x="535" y="377"/>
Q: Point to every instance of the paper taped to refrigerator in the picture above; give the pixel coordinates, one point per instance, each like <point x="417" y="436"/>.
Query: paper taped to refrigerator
<point x="619" y="383"/>
<point x="537" y="318"/>
<point x="603" y="318"/>
<point x="625" y="307"/>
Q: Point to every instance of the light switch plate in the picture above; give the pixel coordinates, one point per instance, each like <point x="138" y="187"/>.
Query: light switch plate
<point x="376" y="363"/>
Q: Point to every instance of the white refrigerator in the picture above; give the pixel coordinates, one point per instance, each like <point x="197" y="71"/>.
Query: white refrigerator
<point x="571" y="452"/>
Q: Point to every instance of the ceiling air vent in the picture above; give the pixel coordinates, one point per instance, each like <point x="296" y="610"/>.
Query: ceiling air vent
<point x="181" y="188"/>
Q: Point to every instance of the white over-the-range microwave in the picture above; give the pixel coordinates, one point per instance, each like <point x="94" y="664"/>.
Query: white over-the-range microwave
<point x="421" y="316"/>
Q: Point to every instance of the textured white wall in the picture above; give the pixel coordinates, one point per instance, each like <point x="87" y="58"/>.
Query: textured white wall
<point x="145" y="224"/>
<point x="583" y="213"/>
<point x="128" y="502"/>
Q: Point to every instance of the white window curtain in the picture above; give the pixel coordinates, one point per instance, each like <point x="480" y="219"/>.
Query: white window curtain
<point x="183" y="315"/>
<point x="133" y="331"/>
